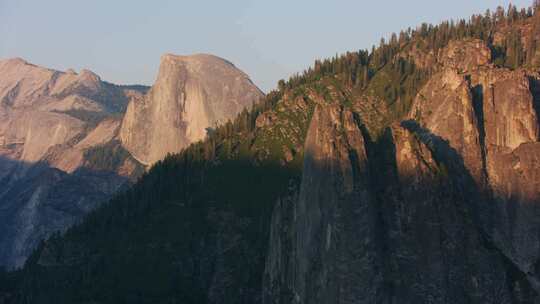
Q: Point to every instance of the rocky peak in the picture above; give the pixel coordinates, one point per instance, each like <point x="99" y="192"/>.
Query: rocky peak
<point x="23" y="83"/>
<point x="191" y="93"/>
<point x="334" y="205"/>
<point x="89" y="79"/>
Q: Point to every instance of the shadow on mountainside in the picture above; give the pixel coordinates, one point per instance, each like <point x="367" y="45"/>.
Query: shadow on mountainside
<point x="189" y="231"/>
<point x="477" y="204"/>
<point x="37" y="200"/>
<point x="534" y="85"/>
<point x="382" y="228"/>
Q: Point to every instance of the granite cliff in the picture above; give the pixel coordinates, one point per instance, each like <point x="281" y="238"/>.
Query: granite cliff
<point x="441" y="208"/>
<point x="191" y="94"/>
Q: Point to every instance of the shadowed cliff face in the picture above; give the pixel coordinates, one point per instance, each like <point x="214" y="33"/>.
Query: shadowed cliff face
<point x="442" y="208"/>
<point x="412" y="232"/>
<point x="44" y="201"/>
<point x="191" y="94"/>
<point x="334" y="205"/>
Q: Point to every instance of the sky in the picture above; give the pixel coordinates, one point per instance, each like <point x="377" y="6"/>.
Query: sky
<point x="122" y="40"/>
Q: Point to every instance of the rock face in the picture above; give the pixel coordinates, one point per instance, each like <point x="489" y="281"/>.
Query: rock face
<point x="465" y="55"/>
<point x="335" y="206"/>
<point x="358" y="235"/>
<point x="445" y="107"/>
<point x="191" y="94"/>
<point x="49" y="122"/>
<point x="442" y="208"/>
<point x="43" y="108"/>
<point x="510" y="125"/>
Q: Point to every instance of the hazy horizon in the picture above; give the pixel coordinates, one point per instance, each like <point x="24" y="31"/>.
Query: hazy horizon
<point x="268" y="41"/>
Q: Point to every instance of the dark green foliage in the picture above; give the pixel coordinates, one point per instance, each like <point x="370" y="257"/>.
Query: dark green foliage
<point x="397" y="84"/>
<point x="514" y="52"/>
<point x="358" y="68"/>
<point x="109" y="156"/>
<point x="158" y="242"/>
<point x="7" y="285"/>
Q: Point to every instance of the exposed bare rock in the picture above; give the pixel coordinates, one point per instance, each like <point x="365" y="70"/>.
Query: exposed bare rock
<point x="40" y="131"/>
<point x="434" y="200"/>
<point x="333" y="207"/>
<point x="24" y="84"/>
<point x="355" y="233"/>
<point x="511" y="128"/>
<point x="72" y="158"/>
<point x="514" y="177"/>
<point x="191" y="93"/>
<point x="445" y="107"/>
<point x="460" y="177"/>
<point x="499" y="123"/>
<point x="508" y="109"/>
<point x="465" y="55"/>
<point x="414" y="162"/>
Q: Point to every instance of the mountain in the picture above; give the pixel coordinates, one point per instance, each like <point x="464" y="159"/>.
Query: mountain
<point x="405" y="174"/>
<point x="451" y="218"/>
<point x="191" y="94"/>
<point x="50" y="122"/>
<point x="69" y="141"/>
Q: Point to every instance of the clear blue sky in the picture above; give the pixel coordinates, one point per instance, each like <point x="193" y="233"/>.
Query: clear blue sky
<point x="123" y="40"/>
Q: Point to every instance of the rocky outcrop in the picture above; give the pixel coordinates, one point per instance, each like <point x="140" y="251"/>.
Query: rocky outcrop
<point x="334" y="206"/>
<point x="355" y="234"/>
<point x="191" y="94"/>
<point x="465" y="55"/>
<point x="498" y="124"/>
<point x="445" y="107"/>
<point x="510" y="125"/>
<point x="462" y="55"/>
